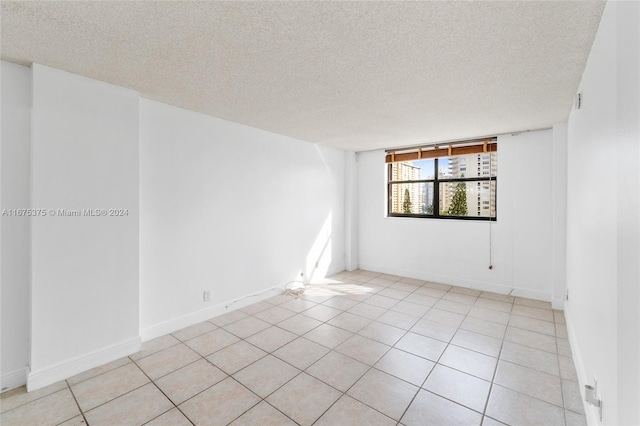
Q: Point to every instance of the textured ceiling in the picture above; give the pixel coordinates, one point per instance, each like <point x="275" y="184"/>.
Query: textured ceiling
<point x="353" y="75"/>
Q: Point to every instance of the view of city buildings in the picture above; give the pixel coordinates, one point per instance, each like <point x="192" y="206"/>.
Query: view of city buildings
<point x="417" y="198"/>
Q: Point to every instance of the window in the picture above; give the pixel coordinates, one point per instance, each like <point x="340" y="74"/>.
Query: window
<point x="435" y="183"/>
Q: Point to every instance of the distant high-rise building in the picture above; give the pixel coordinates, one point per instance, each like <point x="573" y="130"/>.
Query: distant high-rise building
<point x="407" y="172"/>
<point x="479" y="199"/>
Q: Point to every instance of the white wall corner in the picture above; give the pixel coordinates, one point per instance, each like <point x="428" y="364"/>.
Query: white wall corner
<point x="559" y="213"/>
<point x="69" y="368"/>
<point x="351" y="210"/>
<point x="14" y="379"/>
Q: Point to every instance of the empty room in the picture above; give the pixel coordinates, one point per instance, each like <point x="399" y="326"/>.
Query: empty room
<point x="320" y="213"/>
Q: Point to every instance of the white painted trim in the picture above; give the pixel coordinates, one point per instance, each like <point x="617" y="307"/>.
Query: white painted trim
<point x="68" y="368"/>
<point x="591" y="412"/>
<point x="557" y="304"/>
<point x="461" y="282"/>
<point x="14" y="379"/>
<point x="192" y="318"/>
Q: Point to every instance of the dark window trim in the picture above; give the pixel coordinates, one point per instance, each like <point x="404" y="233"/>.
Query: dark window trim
<point x="436" y="194"/>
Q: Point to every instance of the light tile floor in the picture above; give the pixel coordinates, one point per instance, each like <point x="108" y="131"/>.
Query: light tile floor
<point x="358" y="348"/>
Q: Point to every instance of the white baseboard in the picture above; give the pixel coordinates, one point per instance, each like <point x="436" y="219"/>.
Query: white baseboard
<point x="593" y="416"/>
<point x="461" y="282"/>
<point x="68" y="368"/>
<point x="174" y="324"/>
<point x="14" y="379"/>
<point x="557" y="304"/>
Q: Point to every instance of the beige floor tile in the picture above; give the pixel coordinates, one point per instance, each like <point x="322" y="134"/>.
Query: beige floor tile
<point x="381" y="281"/>
<point x="532" y="303"/>
<point x="98" y="370"/>
<point x="246" y="327"/>
<point x="438" y="286"/>
<point x="451" y="306"/>
<point x="487" y="328"/>
<point x="322" y="313"/>
<point x="212" y="341"/>
<point x="574" y="419"/>
<point x="228" y="318"/>
<point x="465" y="290"/>
<point x="444" y="317"/>
<point x="362" y="349"/>
<point x="263" y="414"/>
<point x="567" y="369"/>
<point x="170" y="418"/>
<point x="279" y="299"/>
<point x="407" y="286"/>
<point x="561" y="331"/>
<point x="405" y="366"/>
<point x="384" y="302"/>
<point x="460" y="298"/>
<point x="340" y="303"/>
<point x="459" y="387"/>
<point x="425" y="347"/>
<point x="299" y="324"/>
<point x="266" y="375"/>
<point x="514" y="408"/>
<point x="301" y="353"/>
<point x="496" y="305"/>
<point x="367" y="311"/>
<point x="564" y="348"/>
<point x="338" y="370"/>
<point x="271" y="338"/>
<point x="546" y="362"/>
<point x="558" y="317"/>
<point x="532" y="324"/>
<point x="394" y="293"/>
<point x="155" y="345"/>
<point x="430" y="409"/>
<point x="167" y="360"/>
<point x="220" y="404"/>
<point x="186" y="382"/>
<point x="274" y="315"/>
<point x="107" y="386"/>
<point x="571" y="397"/>
<point x="490" y="315"/>
<point x="528" y="311"/>
<point x="236" y="357"/>
<point x="433" y="292"/>
<point x="349" y="322"/>
<point x="477" y="342"/>
<point x="530" y="382"/>
<point x="76" y="421"/>
<point x="412" y="281"/>
<point x="328" y="335"/>
<point x="531" y="339"/>
<point x="304" y="399"/>
<point x="350" y="412"/>
<point x="298" y="305"/>
<point x="51" y="409"/>
<point x="382" y="333"/>
<point x="434" y="330"/>
<point x="470" y="362"/>
<point x="488" y="421"/>
<point x="134" y="408"/>
<point x="387" y="394"/>
<point x="419" y="298"/>
<point x="19" y="396"/>
<point x="397" y="319"/>
<point x="254" y="308"/>
<point x="194" y="331"/>
<point x="410" y="308"/>
<point x="498" y="297"/>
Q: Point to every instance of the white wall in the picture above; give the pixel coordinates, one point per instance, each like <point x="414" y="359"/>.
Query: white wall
<point x="16" y="124"/>
<point x="84" y="270"/>
<point x="603" y="218"/>
<point x="457" y="251"/>
<point x="229" y="209"/>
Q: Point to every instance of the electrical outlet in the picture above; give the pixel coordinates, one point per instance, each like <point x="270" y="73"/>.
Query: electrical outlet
<point x="206" y="296"/>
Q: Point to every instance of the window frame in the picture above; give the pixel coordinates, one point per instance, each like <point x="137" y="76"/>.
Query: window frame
<point x="436" y="193"/>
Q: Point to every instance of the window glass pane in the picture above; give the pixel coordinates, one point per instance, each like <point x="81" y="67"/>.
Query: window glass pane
<point x="472" y="198"/>
<point x="468" y="166"/>
<point x="411" y="198"/>
<point x="412" y="170"/>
